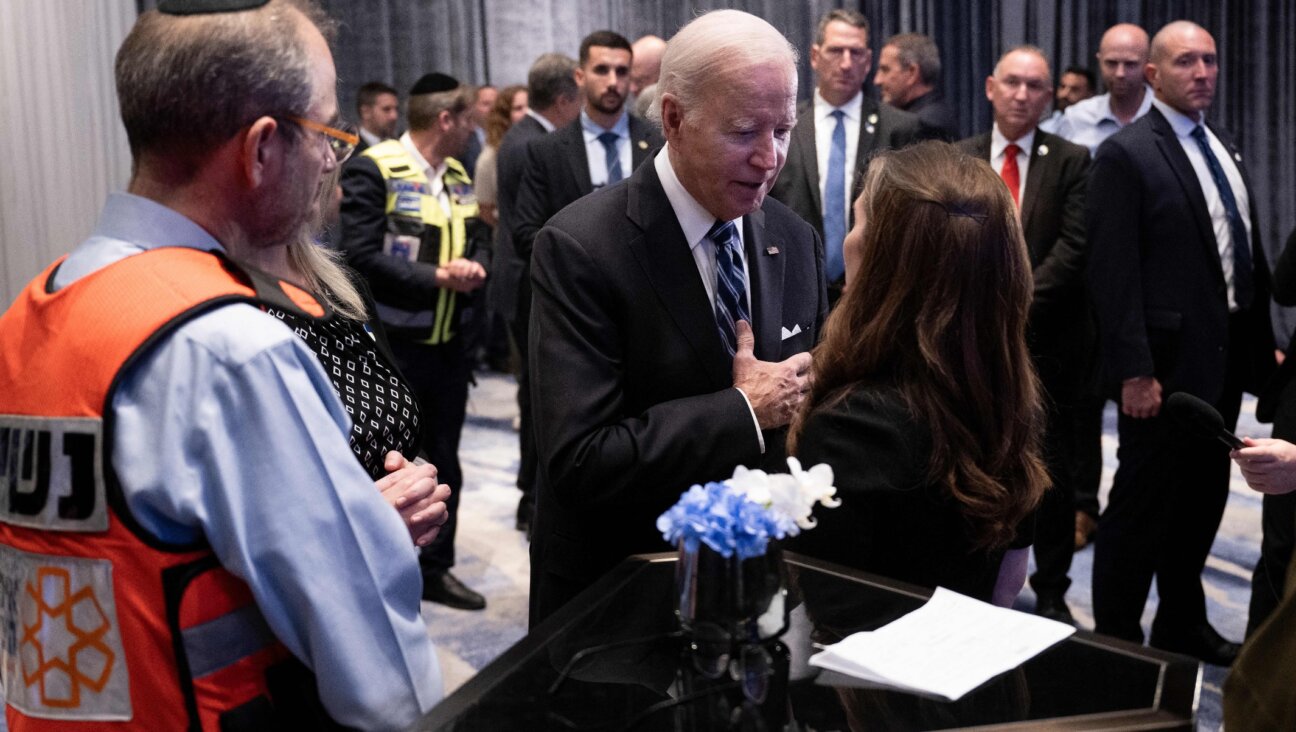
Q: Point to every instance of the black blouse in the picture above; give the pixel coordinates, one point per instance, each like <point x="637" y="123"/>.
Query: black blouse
<point x="892" y="520"/>
<point x="384" y="413"/>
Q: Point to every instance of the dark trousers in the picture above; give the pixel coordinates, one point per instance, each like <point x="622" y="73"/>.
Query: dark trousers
<point x="1087" y="475"/>
<point x="1164" y="508"/>
<point x="521" y="328"/>
<point x="1055" y="519"/>
<point x="438" y="376"/>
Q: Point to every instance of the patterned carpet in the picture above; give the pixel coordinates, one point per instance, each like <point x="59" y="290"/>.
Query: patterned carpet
<point x="493" y="556"/>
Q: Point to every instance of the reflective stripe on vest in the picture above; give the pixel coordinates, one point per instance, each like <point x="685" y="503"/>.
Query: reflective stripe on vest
<point x="409" y="196"/>
<point x="109" y="627"/>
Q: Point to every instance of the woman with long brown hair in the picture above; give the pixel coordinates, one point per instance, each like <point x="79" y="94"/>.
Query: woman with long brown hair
<point x="925" y="402"/>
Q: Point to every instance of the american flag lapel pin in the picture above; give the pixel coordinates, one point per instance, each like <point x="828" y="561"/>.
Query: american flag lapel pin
<point x="771" y="251"/>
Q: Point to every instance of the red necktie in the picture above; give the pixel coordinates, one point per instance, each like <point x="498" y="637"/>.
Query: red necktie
<point x="1010" y="174"/>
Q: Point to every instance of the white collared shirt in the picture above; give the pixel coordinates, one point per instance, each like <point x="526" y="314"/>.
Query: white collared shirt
<point x="435" y="176"/>
<point x="696" y="221"/>
<point x="825" y="123"/>
<point x="596" y="154"/>
<point x="370" y="138"/>
<point x="997" y="144"/>
<point x="1091" y="121"/>
<point x="1183" y="126"/>
<point x="544" y="121"/>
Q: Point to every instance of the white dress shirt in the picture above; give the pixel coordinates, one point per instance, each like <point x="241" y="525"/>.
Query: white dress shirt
<point x="825" y="123"/>
<point x="696" y="221"/>
<point x="997" y="144"/>
<point x="544" y="121"/>
<point x="435" y="176"/>
<point x="1183" y="126"/>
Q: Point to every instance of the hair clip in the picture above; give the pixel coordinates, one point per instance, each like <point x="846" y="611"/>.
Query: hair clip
<point x="954" y="209"/>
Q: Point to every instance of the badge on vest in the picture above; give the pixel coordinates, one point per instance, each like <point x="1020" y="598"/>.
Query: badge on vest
<point x="408" y="204"/>
<point x="408" y="186"/>
<point x="62" y="648"/>
<point x="401" y="246"/>
<point x="462" y="194"/>
<point x="51" y="473"/>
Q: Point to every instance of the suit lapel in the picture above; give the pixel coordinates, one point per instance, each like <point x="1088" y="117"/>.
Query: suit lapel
<point x="1170" y="148"/>
<point x="574" y="139"/>
<point x="641" y="143"/>
<point x="765" y="266"/>
<point x="807" y="157"/>
<point x="666" y="258"/>
<point x="868" y="137"/>
<point x="1041" y="164"/>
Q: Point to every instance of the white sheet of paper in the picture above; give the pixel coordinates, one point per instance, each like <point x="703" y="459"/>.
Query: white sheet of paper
<point x="946" y="648"/>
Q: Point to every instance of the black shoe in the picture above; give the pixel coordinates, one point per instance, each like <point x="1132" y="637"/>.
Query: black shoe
<point x="1201" y="642"/>
<point x="1053" y="607"/>
<point x="445" y="589"/>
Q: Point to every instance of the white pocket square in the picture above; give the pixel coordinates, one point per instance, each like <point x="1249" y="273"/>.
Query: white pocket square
<point x="789" y="333"/>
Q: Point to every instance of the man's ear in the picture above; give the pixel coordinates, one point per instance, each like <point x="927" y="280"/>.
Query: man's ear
<point x="445" y="120"/>
<point x="672" y="117"/>
<point x="261" y="144"/>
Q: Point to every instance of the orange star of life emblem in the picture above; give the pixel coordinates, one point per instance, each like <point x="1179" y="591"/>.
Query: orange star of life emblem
<point x="63" y="649"/>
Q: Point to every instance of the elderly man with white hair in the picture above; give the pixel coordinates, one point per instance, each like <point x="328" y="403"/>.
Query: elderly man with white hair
<point x="672" y="313"/>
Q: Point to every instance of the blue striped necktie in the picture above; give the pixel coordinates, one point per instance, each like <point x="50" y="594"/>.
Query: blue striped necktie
<point x="613" y="156"/>
<point x="731" y="283"/>
<point x="834" y="201"/>
<point x="1243" y="287"/>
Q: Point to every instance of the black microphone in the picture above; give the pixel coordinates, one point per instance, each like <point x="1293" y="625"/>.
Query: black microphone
<point x="1201" y="418"/>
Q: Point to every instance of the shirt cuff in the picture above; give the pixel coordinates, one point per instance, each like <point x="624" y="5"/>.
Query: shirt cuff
<point x="760" y="437"/>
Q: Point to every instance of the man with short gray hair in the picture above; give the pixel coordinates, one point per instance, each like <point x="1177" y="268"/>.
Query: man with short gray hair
<point x="835" y="134"/>
<point x="908" y="77"/>
<point x="673" y="312"/>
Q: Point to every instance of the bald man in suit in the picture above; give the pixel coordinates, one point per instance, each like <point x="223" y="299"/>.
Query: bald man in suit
<point x="1181" y="287"/>
<point x="1046" y="175"/>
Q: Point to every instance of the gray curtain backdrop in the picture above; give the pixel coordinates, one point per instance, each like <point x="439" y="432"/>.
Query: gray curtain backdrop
<point x="494" y="41"/>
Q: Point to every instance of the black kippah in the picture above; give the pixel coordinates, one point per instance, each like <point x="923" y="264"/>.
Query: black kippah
<point x="433" y="83"/>
<point x="198" y="7"/>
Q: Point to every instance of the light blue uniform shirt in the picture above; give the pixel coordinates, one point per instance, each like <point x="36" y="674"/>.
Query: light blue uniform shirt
<point x="1090" y="121"/>
<point x="230" y="431"/>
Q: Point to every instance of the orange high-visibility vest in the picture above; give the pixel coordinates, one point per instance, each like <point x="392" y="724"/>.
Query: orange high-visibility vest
<point x="101" y="624"/>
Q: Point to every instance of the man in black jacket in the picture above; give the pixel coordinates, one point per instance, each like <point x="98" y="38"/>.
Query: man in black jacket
<point x="1181" y="288"/>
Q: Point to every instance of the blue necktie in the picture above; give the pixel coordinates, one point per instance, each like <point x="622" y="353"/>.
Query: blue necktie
<point x="731" y="283"/>
<point x="1243" y="288"/>
<point x="834" y="202"/>
<point x="612" y="155"/>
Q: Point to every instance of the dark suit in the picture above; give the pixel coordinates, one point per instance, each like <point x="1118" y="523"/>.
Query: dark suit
<point x="798" y="185"/>
<point x="511" y="279"/>
<point x="935" y="115"/>
<point x="632" y="385"/>
<point x="1158" y="287"/>
<point x="1059" y="333"/>
<point x="553" y="172"/>
<point x="557" y="173"/>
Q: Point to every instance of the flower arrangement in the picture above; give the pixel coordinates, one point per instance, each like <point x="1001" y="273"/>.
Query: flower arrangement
<point x="740" y="515"/>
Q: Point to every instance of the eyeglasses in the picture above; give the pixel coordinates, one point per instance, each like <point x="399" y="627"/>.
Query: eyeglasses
<point x="341" y="140"/>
